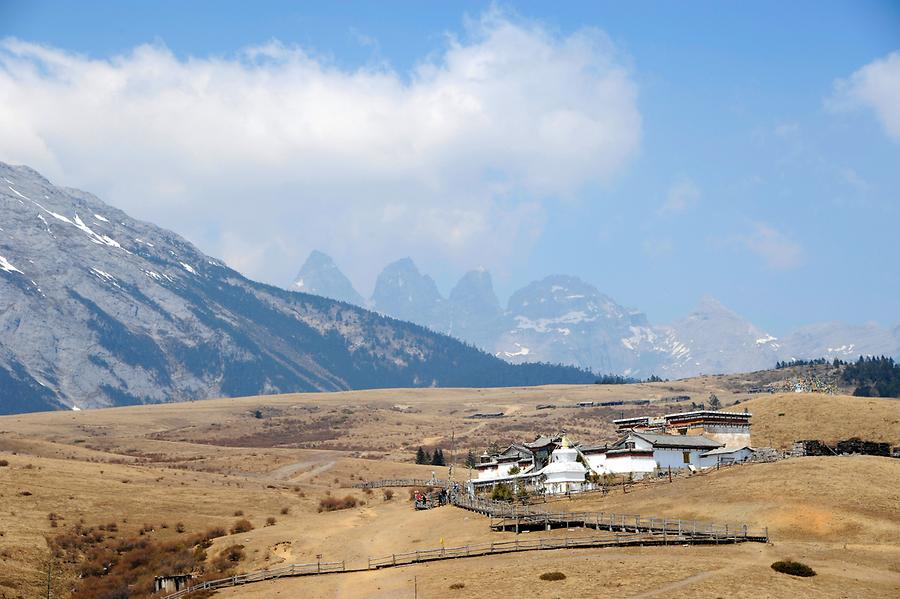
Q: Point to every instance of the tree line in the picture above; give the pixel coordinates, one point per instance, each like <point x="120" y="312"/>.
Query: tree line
<point x="423" y="456"/>
<point x="814" y="362"/>
<point x="616" y="379"/>
<point x="873" y="377"/>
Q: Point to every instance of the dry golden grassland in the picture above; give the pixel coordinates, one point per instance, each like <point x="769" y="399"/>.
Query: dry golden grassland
<point x="200" y="463"/>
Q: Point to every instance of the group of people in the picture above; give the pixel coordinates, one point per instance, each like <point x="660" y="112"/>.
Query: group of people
<point x="430" y="499"/>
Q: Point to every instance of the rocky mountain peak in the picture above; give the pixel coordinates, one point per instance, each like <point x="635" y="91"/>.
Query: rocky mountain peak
<point x="319" y="275"/>
<point x="555" y="295"/>
<point x="403" y="292"/>
<point x="475" y="289"/>
<point x="474" y="312"/>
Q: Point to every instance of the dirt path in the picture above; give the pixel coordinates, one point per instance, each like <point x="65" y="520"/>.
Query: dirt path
<point x="319" y="465"/>
<point x="666" y="589"/>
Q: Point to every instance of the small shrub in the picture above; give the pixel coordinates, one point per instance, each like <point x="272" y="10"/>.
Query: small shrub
<point x="793" y="568"/>
<point x="552" y="576"/>
<point x="179" y="528"/>
<point x="235" y="553"/>
<point x="238" y="513"/>
<point x="270" y="521"/>
<point x="241" y="526"/>
<point x="502" y="492"/>
<point x="285" y="511"/>
<point x="331" y="504"/>
<point x="4" y="463"/>
<point x="457" y="585"/>
<point x="388" y="494"/>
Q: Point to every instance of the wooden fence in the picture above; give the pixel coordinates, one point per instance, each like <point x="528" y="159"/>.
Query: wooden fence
<point x="611" y="540"/>
<point x="260" y="575"/>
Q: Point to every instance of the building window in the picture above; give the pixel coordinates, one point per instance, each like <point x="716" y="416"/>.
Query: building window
<point x="686" y="456"/>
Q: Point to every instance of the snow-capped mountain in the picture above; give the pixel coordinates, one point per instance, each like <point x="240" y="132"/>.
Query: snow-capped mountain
<point x="97" y="308"/>
<point x="840" y="340"/>
<point x="562" y="319"/>
<point x="713" y="339"/>
<point x="321" y="276"/>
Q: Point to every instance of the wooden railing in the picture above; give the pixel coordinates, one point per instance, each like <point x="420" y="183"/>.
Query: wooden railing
<point x="610" y="540"/>
<point x="518" y="517"/>
<point x="260" y="575"/>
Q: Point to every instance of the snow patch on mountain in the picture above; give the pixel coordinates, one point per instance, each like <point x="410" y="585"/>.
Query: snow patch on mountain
<point x="6" y="266"/>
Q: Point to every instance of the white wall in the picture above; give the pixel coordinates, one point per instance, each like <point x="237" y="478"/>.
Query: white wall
<point x="596" y="462"/>
<point x="499" y="471"/>
<point x="733" y="457"/>
<point x="674" y="458"/>
<point x="629" y="464"/>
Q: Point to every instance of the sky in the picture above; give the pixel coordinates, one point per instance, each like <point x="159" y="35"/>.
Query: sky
<point x="662" y="151"/>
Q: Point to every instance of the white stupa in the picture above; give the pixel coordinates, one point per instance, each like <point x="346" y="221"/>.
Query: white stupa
<point x="564" y="473"/>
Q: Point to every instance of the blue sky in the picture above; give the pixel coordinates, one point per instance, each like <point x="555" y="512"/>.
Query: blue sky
<point x="746" y="151"/>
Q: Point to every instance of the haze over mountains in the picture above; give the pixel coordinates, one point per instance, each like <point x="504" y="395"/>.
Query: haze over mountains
<point x="97" y="308"/>
<point x="563" y="319"/>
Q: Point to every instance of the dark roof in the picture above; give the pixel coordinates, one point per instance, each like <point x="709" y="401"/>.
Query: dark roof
<point x="725" y="450"/>
<point x="628" y="450"/>
<point x="542" y="441"/>
<point x="708" y="413"/>
<point x="633" y="420"/>
<point x="592" y="448"/>
<point x="686" y="441"/>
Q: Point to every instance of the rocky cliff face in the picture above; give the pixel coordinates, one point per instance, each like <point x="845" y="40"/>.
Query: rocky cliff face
<point x="321" y="276"/>
<point x="474" y="312"/>
<point x="403" y="292"/>
<point x="97" y="308"/>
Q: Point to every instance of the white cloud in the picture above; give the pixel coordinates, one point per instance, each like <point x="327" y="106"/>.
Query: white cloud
<point x="683" y="195"/>
<point x="875" y="86"/>
<point x="774" y="247"/>
<point x="262" y="156"/>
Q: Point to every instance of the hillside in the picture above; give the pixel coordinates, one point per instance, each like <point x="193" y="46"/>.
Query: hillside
<point x="98" y="309"/>
<point x="779" y="420"/>
<point x="199" y="463"/>
<point x="152" y="466"/>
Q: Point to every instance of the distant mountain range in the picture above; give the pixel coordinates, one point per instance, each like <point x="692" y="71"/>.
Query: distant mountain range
<point x="97" y="308"/>
<point x="562" y="319"/>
